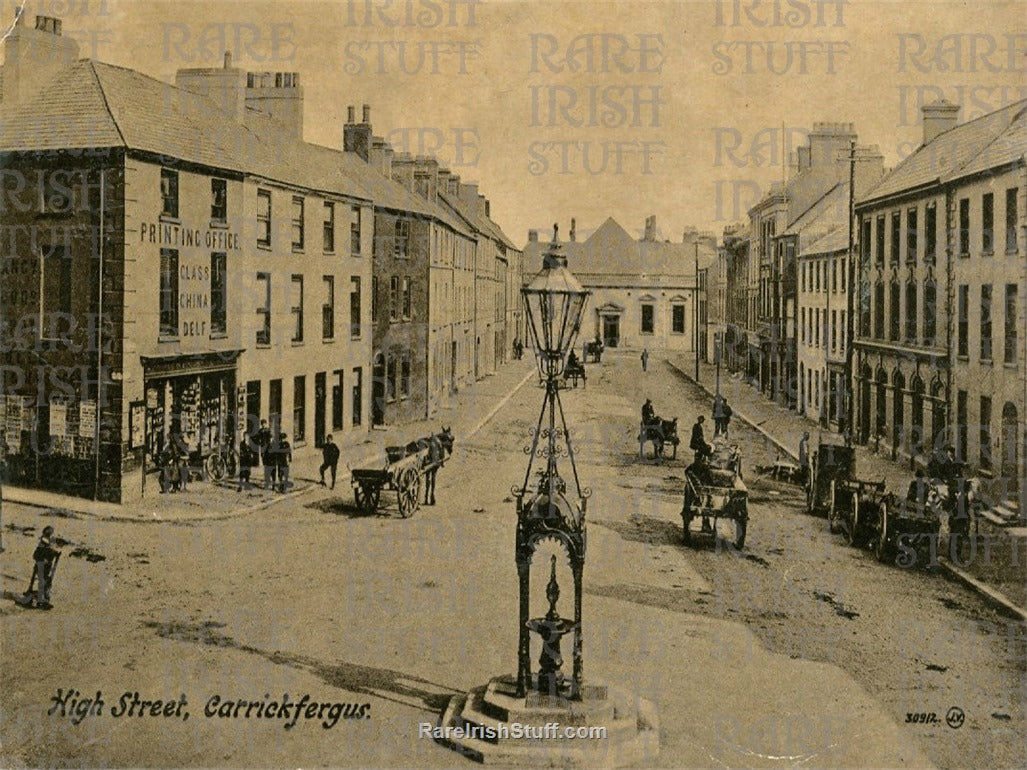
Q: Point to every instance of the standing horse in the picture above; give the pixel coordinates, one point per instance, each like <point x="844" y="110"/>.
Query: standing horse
<point x="439" y="446"/>
<point x="659" y="432"/>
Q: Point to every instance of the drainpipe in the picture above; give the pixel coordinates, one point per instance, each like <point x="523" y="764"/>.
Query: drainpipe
<point x="99" y="325"/>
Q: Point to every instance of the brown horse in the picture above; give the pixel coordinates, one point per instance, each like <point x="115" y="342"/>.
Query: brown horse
<point x="439" y="446"/>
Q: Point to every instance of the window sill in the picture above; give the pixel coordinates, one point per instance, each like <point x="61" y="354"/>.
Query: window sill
<point x="219" y="336"/>
<point x="964" y="255"/>
<point x="264" y="246"/>
<point x="327" y="340"/>
<point x="218" y="224"/>
<point x="262" y="345"/>
<point x="1011" y="365"/>
<point x="329" y="252"/>
<point x="296" y="343"/>
<point x="986" y="362"/>
<point x="168" y="338"/>
<point x="169" y="219"/>
<point x="963" y="358"/>
<point x="297" y="249"/>
<point x="987" y="252"/>
<point x="1011" y="251"/>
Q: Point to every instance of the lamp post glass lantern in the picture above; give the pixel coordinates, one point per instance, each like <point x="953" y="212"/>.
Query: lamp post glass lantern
<point x="554" y="306"/>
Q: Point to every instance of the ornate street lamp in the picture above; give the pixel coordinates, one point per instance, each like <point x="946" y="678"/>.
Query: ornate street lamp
<point x="554" y="303"/>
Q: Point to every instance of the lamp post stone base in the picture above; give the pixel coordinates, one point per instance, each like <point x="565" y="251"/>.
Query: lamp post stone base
<point x="492" y="725"/>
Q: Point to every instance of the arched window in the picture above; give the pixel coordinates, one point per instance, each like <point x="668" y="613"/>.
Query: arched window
<point x="898" y="410"/>
<point x="938" y="427"/>
<point x="911" y="315"/>
<point x="879" y="310"/>
<point x="881" y="422"/>
<point x="917" y="433"/>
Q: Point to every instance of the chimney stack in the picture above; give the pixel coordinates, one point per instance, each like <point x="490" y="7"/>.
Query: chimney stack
<point x="356" y="137"/>
<point x="573" y="228"/>
<point x="225" y="86"/>
<point x="33" y="56"/>
<point x="532" y="236"/>
<point x="938" y="117"/>
<point x="650" y="228"/>
<point x="279" y="95"/>
<point x="351" y="114"/>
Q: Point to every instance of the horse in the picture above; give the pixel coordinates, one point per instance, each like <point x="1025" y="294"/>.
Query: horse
<point x="660" y="432"/>
<point x="439" y="446"/>
<point x="593" y="350"/>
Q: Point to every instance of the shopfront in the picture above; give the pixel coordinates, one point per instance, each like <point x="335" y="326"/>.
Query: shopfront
<point x="193" y="400"/>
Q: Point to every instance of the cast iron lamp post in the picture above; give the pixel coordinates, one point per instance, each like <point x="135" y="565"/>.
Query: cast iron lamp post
<point x="554" y="303"/>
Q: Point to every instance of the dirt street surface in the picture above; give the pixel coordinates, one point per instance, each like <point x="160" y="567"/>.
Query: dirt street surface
<point x="796" y="651"/>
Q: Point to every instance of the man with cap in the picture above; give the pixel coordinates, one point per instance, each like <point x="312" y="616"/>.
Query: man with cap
<point x="330" y="455"/>
<point x="45" y="557"/>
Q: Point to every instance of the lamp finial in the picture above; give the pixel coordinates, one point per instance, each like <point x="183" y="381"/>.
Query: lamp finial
<point x="556" y="230"/>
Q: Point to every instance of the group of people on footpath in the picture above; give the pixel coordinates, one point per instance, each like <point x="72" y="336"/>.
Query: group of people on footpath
<point x="274" y="454"/>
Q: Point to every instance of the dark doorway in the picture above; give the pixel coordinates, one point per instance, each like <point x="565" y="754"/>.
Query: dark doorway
<point x="611" y="330"/>
<point x="252" y="407"/>
<point x="320" y="407"/>
<point x="378" y="390"/>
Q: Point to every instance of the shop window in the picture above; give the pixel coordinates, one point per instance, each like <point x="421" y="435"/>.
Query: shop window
<point x="986" y="322"/>
<point x="297" y="308"/>
<point x="218" y="201"/>
<point x="964" y="227"/>
<point x="169" y="193"/>
<point x="264" y="310"/>
<point x="677" y="316"/>
<point x="404" y="375"/>
<point x="401" y="243"/>
<point x="406" y="298"/>
<point x="988" y="223"/>
<point x="299" y="408"/>
<point x="218" y="294"/>
<point x="354" y="231"/>
<point x="328" y="309"/>
<point x="329" y="227"/>
<point x="648" y="313"/>
<point x="963" y="321"/>
<point x="297" y="223"/>
<point x="354" y="308"/>
<point x="1011" y="215"/>
<point x="930" y="232"/>
<point x="358" y="396"/>
<point x="1011" y="323"/>
<point x="168" y="293"/>
<point x="264" y="218"/>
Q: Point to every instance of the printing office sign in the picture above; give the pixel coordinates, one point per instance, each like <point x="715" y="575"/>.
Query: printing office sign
<point x="195" y="268"/>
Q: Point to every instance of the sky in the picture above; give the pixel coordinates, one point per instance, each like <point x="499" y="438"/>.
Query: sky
<point x="591" y="109"/>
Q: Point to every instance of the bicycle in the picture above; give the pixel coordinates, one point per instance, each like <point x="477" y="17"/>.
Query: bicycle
<point x="221" y="463"/>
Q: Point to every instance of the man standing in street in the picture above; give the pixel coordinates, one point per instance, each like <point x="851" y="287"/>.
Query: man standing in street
<point x="282" y="458"/>
<point x="645" y="359"/>
<point x="263" y="442"/>
<point x="330" y="455"/>
<point x="698" y="443"/>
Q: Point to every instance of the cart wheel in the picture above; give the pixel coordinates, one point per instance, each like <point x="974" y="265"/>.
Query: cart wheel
<point x="832" y="512"/>
<point x="359" y="498"/>
<point x="882" y="550"/>
<point x="407" y="490"/>
<point x="852" y="536"/>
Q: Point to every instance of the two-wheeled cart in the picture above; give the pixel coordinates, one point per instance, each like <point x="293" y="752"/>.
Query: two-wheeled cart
<point x="714" y="490"/>
<point x="401" y="475"/>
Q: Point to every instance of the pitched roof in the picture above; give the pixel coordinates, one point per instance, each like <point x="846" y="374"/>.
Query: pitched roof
<point x="823" y="228"/>
<point x="92" y="104"/>
<point x="989" y="141"/>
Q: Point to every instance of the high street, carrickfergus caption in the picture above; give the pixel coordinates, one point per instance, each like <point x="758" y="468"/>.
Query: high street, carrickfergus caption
<point x="538" y="383"/>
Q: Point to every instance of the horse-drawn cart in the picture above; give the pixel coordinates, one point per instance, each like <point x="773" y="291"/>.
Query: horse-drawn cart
<point x="406" y="471"/>
<point x="401" y="475"/>
<point x="714" y="490"/>
<point x="852" y="505"/>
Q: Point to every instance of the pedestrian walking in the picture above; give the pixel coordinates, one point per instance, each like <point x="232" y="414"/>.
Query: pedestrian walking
<point x="45" y="564"/>
<point x="282" y="460"/>
<point x="263" y="442"/>
<point x="721" y="416"/>
<point x="330" y="457"/>
<point x="645" y="359"/>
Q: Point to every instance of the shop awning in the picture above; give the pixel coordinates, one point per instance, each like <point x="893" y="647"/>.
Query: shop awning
<point x="194" y="363"/>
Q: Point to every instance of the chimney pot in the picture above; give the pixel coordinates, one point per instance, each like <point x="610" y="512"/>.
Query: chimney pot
<point x="228" y="60"/>
<point x="351" y="114"/>
<point x="532" y="236"/>
<point x="367" y="113"/>
<point x="573" y="229"/>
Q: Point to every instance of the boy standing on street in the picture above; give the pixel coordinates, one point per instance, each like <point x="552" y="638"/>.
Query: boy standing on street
<point x="45" y="557"/>
<point x="330" y="455"/>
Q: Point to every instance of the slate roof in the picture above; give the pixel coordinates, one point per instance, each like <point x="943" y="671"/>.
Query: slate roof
<point x="611" y="256"/>
<point x="474" y="220"/>
<point x="822" y="228"/>
<point x="990" y="141"/>
<point x="93" y="105"/>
